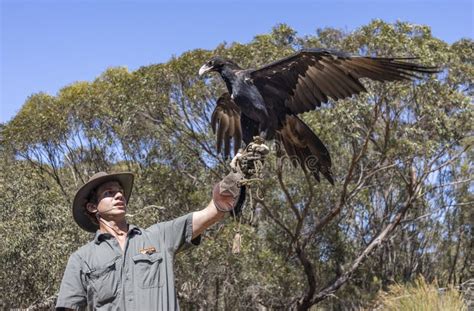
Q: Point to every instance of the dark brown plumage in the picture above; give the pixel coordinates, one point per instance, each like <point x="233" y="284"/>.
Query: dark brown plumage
<point x="268" y="99"/>
<point x="225" y="121"/>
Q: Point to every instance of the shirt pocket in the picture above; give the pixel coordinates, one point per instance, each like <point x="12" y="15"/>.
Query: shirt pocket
<point x="147" y="270"/>
<point x="104" y="281"/>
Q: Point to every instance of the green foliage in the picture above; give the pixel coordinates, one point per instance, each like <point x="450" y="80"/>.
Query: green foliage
<point x="401" y="142"/>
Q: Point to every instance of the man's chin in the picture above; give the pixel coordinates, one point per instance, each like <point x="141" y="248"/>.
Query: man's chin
<point x="117" y="212"/>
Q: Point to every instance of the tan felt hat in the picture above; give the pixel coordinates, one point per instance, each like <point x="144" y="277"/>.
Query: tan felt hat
<point x="82" y="197"/>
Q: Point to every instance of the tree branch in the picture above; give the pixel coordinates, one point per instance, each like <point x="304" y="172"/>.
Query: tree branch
<point x="330" y="289"/>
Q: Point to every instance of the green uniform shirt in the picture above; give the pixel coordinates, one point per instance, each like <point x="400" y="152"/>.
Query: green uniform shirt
<point x="100" y="276"/>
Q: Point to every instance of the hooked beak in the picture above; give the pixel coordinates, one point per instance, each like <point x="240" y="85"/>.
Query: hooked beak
<point x="204" y="69"/>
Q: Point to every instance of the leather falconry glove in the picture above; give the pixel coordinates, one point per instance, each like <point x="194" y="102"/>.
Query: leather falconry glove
<point x="229" y="194"/>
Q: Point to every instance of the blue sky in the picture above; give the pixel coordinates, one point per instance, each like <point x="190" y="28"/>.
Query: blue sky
<point x="47" y="44"/>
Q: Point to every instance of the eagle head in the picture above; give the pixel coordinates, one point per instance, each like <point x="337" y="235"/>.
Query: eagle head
<point x="216" y="64"/>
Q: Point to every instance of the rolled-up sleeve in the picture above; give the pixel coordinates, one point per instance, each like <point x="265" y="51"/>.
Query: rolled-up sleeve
<point x="178" y="233"/>
<point x="72" y="294"/>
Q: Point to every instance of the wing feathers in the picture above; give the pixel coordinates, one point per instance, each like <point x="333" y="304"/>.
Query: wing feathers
<point x="324" y="84"/>
<point x="343" y="79"/>
<point x="305" y="94"/>
<point x="320" y="94"/>
<point x="225" y="122"/>
<point x="309" y="77"/>
<point x="309" y="89"/>
<point x="305" y="148"/>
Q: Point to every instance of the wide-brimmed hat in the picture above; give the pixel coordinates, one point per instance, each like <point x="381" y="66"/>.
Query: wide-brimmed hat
<point x="79" y="211"/>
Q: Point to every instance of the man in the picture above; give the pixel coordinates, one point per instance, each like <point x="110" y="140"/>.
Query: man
<point x="126" y="267"/>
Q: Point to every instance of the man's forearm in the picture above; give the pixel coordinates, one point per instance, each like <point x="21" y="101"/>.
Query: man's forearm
<point x="205" y="218"/>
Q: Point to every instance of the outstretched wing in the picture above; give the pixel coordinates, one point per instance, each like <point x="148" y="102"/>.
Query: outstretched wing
<point x="308" y="78"/>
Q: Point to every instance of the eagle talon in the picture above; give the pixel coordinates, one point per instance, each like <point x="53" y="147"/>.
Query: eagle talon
<point x="259" y="140"/>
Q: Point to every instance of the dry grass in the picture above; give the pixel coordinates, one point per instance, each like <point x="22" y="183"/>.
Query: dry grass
<point x="420" y="296"/>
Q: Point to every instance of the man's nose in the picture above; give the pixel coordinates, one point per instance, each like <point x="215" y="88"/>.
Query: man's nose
<point x="119" y="195"/>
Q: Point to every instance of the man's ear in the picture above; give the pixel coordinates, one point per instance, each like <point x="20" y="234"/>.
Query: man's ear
<point x="91" y="207"/>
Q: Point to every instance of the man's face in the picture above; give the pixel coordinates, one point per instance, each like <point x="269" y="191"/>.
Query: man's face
<point x="111" y="200"/>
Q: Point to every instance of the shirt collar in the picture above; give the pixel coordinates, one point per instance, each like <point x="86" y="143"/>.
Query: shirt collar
<point x="133" y="229"/>
<point x="102" y="236"/>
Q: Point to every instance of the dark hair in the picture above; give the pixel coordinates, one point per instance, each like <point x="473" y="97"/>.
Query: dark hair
<point x="93" y="196"/>
<point x="94" y="199"/>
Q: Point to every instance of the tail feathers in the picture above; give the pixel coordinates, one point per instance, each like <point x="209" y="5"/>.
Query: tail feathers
<point x="305" y="147"/>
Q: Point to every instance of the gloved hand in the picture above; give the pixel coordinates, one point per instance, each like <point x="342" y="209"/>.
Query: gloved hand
<point x="228" y="194"/>
<point x="244" y="161"/>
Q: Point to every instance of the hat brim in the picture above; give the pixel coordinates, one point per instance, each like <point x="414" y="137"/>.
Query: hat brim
<point x="82" y="196"/>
